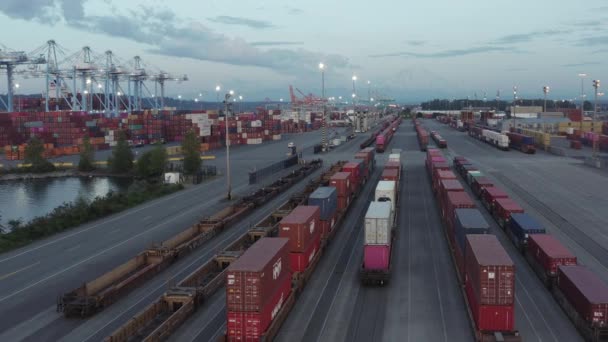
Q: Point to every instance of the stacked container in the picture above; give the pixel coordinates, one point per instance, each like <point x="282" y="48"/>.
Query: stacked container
<point x="521" y="226"/>
<point x="503" y="209"/>
<point x="479" y="183"/>
<point x="489" y="283"/>
<point x="257" y="285"/>
<point x="386" y="191"/>
<point x="490" y="195"/>
<point x="356" y="170"/>
<point x="586" y="293"/>
<point x="303" y="228"/>
<point x="326" y="198"/>
<point x="438" y="175"/>
<point x="466" y="222"/>
<point x="377" y="244"/>
<point x="341" y="181"/>
<point x="454" y="200"/>
<point x="547" y="253"/>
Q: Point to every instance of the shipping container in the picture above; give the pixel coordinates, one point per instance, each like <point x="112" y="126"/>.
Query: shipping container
<point x="468" y="221"/>
<point x="521" y="225"/>
<point x="503" y="209"/>
<point x="376" y="257"/>
<point x="341" y="181"/>
<point x="254" y="277"/>
<point x="490" y="195"/>
<point x="471" y="175"/>
<point x="390" y="175"/>
<point x="394" y="157"/>
<point x="454" y="200"/>
<point x="301" y="226"/>
<point x="392" y="165"/>
<point x="250" y="325"/>
<point x="546" y="253"/>
<point x="378" y="224"/>
<point x="386" y="191"/>
<point x="356" y="170"/>
<point x="299" y="261"/>
<point x="480" y="182"/>
<point x="586" y="293"/>
<point x="490" y="318"/>
<point x="326" y="198"/>
<point x="489" y="270"/>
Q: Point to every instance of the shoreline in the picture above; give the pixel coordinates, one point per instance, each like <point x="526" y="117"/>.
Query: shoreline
<point x="58" y="174"/>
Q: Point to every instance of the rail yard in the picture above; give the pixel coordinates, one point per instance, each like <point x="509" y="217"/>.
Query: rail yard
<point x="328" y="301"/>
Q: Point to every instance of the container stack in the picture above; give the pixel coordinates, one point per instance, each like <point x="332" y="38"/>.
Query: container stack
<point x="377" y="245"/>
<point x="303" y="229"/>
<point x="326" y="198"/>
<point x="357" y="172"/>
<point x="257" y="285"/>
<point x="341" y="181"/>
<point x="466" y="222"/>
<point x="489" y="283"/>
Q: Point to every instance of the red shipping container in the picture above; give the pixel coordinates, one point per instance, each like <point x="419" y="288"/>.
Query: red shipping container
<point x="491" y="317"/>
<point x="341" y="181"/>
<point x="549" y="253"/>
<point x="479" y="183"/>
<point x="438" y="175"/>
<point x="455" y="200"/>
<point x="354" y="168"/>
<point x="489" y="196"/>
<point x="343" y="202"/>
<point x="445" y="186"/>
<point x="504" y="208"/>
<point x="390" y="175"/>
<point x="489" y="270"/>
<point x="376" y="257"/>
<point x="299" y="261"/>
<point x="439" y="166"/>
<point x="586" y="292"/>
<point x="301" y="226"/>
<point x="393" y="165"/>
<point x="459" y="257"/>
<point x="253" y="278"/>
<point x="249" y="326"/>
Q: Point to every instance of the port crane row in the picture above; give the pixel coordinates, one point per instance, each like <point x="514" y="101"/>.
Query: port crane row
<point x="88" y="74"/>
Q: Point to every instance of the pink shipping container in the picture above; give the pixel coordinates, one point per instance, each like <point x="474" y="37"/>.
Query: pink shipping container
<point x="586" y="292"/>
<point x="301" y="226"/>
<point x="549" y="253"/>
<point x="249" y="326"/>
<point x="489" y="270"/>
<point x="355" y="169"/>
<point x="341" y="181"/>
<point x="376" y="257"/>
<point x="253" y="278"/>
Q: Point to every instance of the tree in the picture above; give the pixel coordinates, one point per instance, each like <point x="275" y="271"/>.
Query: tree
<point x="152" y="163"/>
<point x="34" y="155"/>
<point x="87" y="155"/>
<point x="121" y="160"/>
<point x="191" y="151"/>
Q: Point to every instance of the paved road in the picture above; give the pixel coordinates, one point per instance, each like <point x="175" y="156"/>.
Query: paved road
<point x="32" y="277"/>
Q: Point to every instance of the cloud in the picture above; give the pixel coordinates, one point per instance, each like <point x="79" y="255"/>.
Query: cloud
<point x="42" y="10"/>
<point x="447" y="53"/>
<point x="593" y="41"/>
<point x="599" y="51"/>
<point x="415" y="42"/>
<point x="527" y="37"/>
<point x="252" y="23"/>
<point x="275" y="43"/>
<point x="169" y="35"/>
<point x="572" y="65"/>
<point x="294" y="11"/>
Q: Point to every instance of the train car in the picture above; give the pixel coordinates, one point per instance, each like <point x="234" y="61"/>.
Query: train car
<point x="439" y="140"/>
<point x="545" y="254"/>
<point x="521" y="142"/>
<point x="496" y="139"/>
<point x="520" y="227"/>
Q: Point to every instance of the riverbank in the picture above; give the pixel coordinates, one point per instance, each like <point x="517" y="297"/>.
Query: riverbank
<point x="59" y="174"/>
<point x="76" y="213"/>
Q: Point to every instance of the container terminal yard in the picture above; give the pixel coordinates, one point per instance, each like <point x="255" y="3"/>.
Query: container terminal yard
<point x="339" y="288"/>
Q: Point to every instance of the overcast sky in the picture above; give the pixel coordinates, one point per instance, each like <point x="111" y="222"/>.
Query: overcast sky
<point x="411" y="50"/>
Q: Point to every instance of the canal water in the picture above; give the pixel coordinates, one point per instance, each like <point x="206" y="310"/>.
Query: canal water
<point x="31" y="198"/>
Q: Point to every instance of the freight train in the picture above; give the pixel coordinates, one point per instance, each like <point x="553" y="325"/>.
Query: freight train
<point x="422" y="134"/>
<point x="101" y="292"/>
<point x="439" y="140"/>
<point x="477" y="256"/>
<point x="496" y="139"/>
<point x="521" y="142"/>
<point x="384" y="138"/>
<point x="582" y="295"/>
<point x="380" y="224"/>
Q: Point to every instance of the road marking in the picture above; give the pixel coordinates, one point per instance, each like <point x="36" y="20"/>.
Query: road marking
<point x="215" y="308"/>
<point x="540" y="313"/>
<point x="29" y="327"/>
<point x="527" y="318"/>
<point x="115" y="231"/>
<point x="147" y="218"/>
<point x="8" y="275"/>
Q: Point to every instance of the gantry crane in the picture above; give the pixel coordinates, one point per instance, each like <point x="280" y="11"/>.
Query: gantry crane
<point x="9" y="60"/>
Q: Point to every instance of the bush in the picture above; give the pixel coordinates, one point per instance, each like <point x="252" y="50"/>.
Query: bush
<point x="121" y="160"/>
<point x="69" y="215"/>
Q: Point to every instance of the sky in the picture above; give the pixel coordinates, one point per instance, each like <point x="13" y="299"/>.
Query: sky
<point x="408" y="50"/>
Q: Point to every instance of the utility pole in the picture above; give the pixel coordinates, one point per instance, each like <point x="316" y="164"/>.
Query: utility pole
<point x="546" y="91"/>
<point x="324" y="143"/>
<point x="227" y="106"/>
<point x="582" y="76"/>
<point x="596" y="85"/>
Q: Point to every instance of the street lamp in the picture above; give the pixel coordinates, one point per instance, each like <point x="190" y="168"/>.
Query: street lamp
<point x="217" y="93"/>
<point x="179" y="104"/>
<point x="324" y="131"/>
<point x="18" y="99"/>
<point x="546" y="91"/>
<point x="240" y="103"/>
<point x="226" y="114"/>
<point x="514" y="103"/>
<point x="582" y="76"/>
<point x="596" y="85"/>
<point x="369" y="92"/>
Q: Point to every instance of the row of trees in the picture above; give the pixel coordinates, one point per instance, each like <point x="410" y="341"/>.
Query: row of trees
<point x="149" y="165"/>
<point x="458" y="104"/>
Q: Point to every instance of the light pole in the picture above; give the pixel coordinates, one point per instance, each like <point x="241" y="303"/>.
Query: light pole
<point x="226" y="112"/>
<point x="596" y="85"/>
<point x="324" y="130"/>
<point x="546" y="91"/>
<point x="17" y="98"/>
<point x="240" y="103"/>
<point x="179" y="103"/>
<point x="514" y="103"/>
<point x="280" y="104"/>
<point x="217" y="93"/>
<point x="582" y="76"/>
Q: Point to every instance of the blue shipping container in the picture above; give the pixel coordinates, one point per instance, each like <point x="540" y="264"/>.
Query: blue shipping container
<point x="522" y="225"/>
<point x="468" y="221"/>
<point x="326" y="198"/>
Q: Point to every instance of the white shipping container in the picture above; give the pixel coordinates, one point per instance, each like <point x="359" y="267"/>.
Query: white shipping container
<point x="378" y="223"/>
<point x="385" y="191"/>
<point x="495" y="138"/>
<point x="394" y="157"/>
<point x="276" y="137"/>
